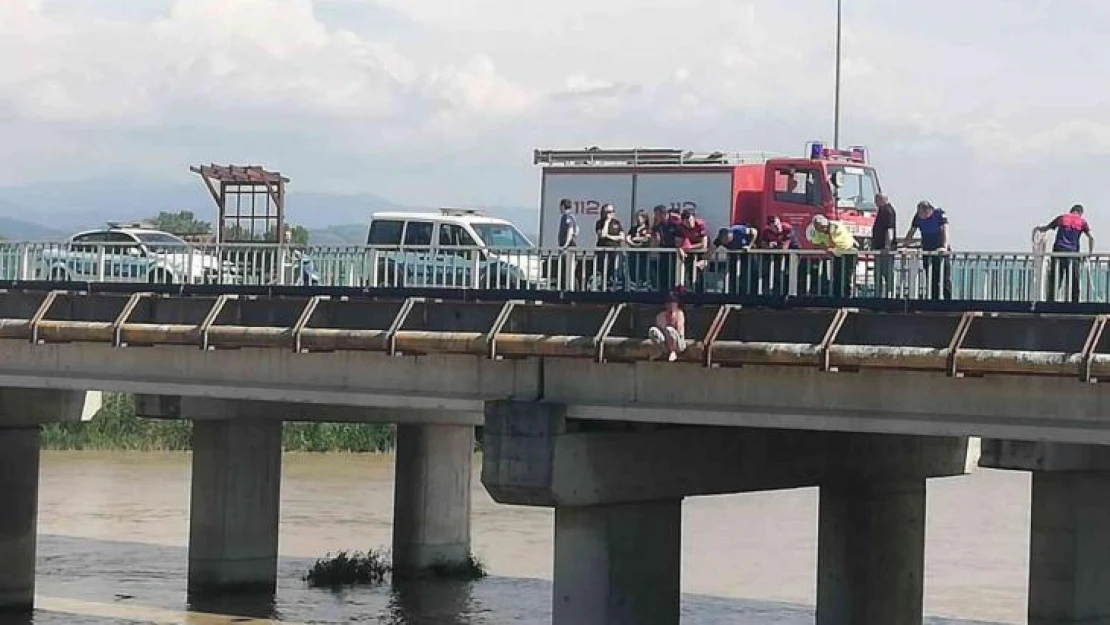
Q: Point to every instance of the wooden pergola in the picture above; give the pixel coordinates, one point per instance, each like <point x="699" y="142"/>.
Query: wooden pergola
<point x="250" y="202"/>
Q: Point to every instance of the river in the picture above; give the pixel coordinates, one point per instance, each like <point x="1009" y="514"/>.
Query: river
<point x="113" y="529"/>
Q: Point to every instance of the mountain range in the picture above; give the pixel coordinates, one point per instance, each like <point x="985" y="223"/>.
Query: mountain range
<point x="55" y="210"/>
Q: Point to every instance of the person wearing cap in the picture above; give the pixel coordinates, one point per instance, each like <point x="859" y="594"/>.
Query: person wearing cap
<point x="835" y="237"/>
<point x="1070" y="228"/>
<point x="743" y="277"/>
<point x="610" y="236"/>
<point x="669" y="332"/>
<point x="933" y="225"/>
<point x="693" y="243"/>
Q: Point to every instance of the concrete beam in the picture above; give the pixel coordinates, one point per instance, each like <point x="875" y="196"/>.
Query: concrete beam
<point x="535" y="455"/>
<point x="236" y="494"/>
<point x="431" y="497"/>
<point x="35" y="406"/>
<point x="447" y="412"/>
<point x="19" y="490"/>
<point x="1042" y="456"/>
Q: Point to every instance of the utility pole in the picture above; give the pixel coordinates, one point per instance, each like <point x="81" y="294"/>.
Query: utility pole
<point x="836" y="108"/>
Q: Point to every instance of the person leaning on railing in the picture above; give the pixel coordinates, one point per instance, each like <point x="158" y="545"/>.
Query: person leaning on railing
<point x="884" y="240"/>
<point x="693" y="244"/>
<point x="933" y="225"/>
<point x="774" y="271"/>
<point x="838" y="240"/>
<point x="1069" y="227"/>
<point x="742" y="273"/>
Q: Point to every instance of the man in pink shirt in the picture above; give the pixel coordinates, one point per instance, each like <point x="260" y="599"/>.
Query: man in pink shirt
<point x="669" y="331"/>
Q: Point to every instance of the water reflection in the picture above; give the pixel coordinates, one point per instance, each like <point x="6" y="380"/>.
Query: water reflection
<point x="250" y="606"/>
<point x="428" y="603"/>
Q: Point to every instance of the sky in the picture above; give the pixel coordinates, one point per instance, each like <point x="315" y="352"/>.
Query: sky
<point x="995" y="110"/>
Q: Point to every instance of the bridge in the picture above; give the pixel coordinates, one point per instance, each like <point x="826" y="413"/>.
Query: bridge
<point x="866" y="396"/>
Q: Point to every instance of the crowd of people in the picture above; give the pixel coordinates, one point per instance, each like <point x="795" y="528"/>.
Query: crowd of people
<point x="686" y="233"/>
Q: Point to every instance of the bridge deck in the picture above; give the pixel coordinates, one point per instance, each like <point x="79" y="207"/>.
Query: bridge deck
<point x="826" y="334"/>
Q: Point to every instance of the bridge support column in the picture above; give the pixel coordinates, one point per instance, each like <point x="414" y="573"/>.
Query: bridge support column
<point x="22" y="411"/>
<point x="618" y="564"/>
<point x="431" y="497"/>
<point x="236" y="491"/>
<point x="871" y="553"/>
<point x="19" y="490"/>
<point x="1069" y="545"/>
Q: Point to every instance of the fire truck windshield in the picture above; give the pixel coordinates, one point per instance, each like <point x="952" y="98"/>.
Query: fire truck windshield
<point x="855" y="186"/>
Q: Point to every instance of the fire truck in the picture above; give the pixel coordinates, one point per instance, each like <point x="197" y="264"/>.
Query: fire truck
<point x="722" y="188"/>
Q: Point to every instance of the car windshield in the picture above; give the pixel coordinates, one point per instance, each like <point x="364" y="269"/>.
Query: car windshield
<point x="501" y="236"/>
<point x="858" y="187"/>
<point x="160" y="241"/>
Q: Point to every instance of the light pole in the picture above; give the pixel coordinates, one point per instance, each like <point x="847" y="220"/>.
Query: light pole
<point x="836" y="107"/>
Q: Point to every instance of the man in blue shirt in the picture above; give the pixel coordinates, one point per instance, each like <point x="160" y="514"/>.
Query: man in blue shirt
<point x="1069" y="227"/>
<point x="933" y="225"/>
<point x="568" y="240"/>
<point x="742" y="272"/>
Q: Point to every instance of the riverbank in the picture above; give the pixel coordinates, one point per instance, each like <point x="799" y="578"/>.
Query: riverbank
<point x="116" y="428"/>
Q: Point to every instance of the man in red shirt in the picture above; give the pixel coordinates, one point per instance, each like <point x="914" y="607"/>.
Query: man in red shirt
<point x="693" y="243"/>
<point x="1070" y="228"/>
<point x="778" y="236"/>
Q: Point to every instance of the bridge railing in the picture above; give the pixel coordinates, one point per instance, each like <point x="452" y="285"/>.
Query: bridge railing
<point x="908" y="274"/>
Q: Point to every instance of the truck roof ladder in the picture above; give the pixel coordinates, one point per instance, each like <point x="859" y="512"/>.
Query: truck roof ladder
<point x="624" y="157"/>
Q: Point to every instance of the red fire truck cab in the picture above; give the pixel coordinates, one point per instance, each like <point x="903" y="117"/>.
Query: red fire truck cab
<point x="723" y="189"/>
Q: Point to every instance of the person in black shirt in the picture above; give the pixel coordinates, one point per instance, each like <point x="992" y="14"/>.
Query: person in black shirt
<point x="639" y="238"/>
<point x="665" y="233"/>
<point x="610" y="234"/>
<point x="884" y="241"/>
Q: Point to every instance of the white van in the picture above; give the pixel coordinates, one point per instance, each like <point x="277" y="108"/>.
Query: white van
<point x="454" y="248"/>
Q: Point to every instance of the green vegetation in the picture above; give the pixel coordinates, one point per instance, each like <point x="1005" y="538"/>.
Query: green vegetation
<point x="116" y="427"/>
<point x="347" y="569"/>
<point x="470" y="570"/>
<point x="372" y="567"/>
<point x="181" y="223"/>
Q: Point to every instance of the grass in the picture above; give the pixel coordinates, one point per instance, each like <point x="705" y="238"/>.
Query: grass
<point x="373" y="567"/>
<point x="117" y="428"/>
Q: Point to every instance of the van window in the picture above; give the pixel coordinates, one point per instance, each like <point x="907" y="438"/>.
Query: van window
<point x="418" y="233"/>
<point x="385" y="232"/>
<point x="797" y="186"/>
<point x="451" y="235"/>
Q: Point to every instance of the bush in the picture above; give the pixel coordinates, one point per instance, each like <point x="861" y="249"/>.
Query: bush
<point x="347" y="569"/>
<point x="470" y="570"/>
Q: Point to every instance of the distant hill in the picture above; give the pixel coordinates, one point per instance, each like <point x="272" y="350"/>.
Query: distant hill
<point x="57" y="209"/>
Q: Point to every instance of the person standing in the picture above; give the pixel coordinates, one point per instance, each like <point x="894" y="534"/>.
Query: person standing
<point x="639" y="238"/>
<point x="693" y="243"/>
<point x="610" y="236"/>
<point x="1069" y="227"/>
<point x="933" y="225"/>
<point x="665" y="234"/>
<point x="884" y="240"/>
<point x="568" y="240"/>
<point x="835" y="237"/>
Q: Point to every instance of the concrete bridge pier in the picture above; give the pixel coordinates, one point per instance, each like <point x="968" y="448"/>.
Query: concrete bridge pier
<point x="431" y="497"/>
<point x="1069" y="541"/>
<point x="235" y="506"/>
<point x="21" y="413"/>
<point x="871" y="553"/>
<point x="617" y="490"/>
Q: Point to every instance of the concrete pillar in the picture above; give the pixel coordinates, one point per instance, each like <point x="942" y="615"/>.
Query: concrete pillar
<point x="618" y="564"/>
<point x="431" y="497"/>
<point x="19" y="491"/>
<point x="1069" y="548"/>
<point x="236" y="491"/>
<point x="871" y="553"/>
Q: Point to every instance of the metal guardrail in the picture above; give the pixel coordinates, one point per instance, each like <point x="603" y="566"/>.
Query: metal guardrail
<point x="842" y="340"/>
<point x="904" y="275"/>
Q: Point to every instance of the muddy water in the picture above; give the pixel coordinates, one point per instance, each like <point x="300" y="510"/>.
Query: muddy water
<point x="113" y="529"/>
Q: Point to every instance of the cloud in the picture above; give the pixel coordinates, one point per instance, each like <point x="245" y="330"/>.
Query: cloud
<point x="442" y="101"/>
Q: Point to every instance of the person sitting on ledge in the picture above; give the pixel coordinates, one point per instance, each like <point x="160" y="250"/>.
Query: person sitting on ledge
<point x="669" y="331"/>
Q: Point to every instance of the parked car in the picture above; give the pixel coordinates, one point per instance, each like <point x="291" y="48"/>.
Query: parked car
<point x="454" y="248"/>
<point x="131" y="253"/>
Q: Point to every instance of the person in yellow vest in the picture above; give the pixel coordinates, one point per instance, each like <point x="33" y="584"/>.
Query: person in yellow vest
<point x="835" y="237"/>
